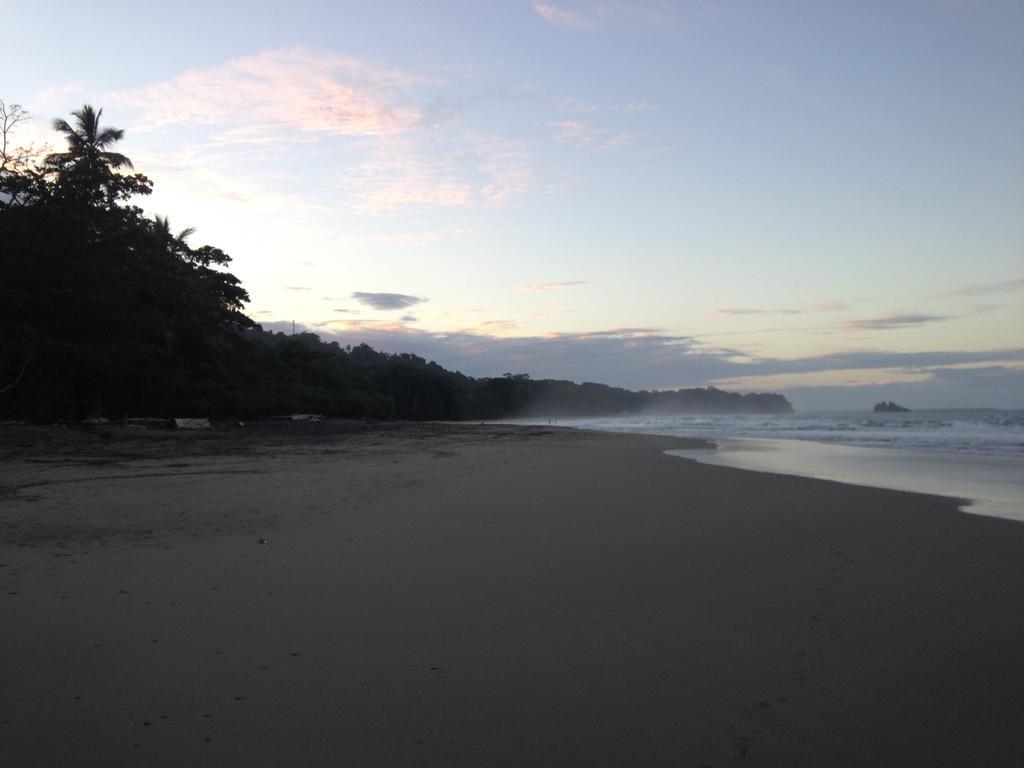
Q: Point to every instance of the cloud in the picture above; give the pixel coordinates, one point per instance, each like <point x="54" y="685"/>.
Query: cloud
<point x="499" y="326"/>
<point x="752" y="311"/>
<point x="649" y="358"/>
<point x="387" y="301"/>
<point x="560" y="17"/>
<point x="407" y="171"/>
<point x="401" y="174"/>
<point x="569" y="104"/>
<point x="589" y="137"/>
<point x="1003" y="286"/>
<point x="294" y="88"/>
<point x="636" y="106"/>
<point x="538" y="287"/>
<point x="632" y="357"/>
<point x="57" y="95"/>
<point x="888" y="322"/>
<point x="408" y="318"/>
<point x="827" y="306"/>
<point x="206" y="173"/>
<point x="296" y="288"/>
<point x="879" y="359"/>
<point x="508" y="171"/>
<point x="656" y="13"/>
<point x="362" y="121"/>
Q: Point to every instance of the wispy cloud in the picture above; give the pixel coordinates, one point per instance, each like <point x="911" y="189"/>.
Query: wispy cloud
<point x="203" y="172"/>
<point x="537" y="287"/>
<point x="407" y="171"/>
<point x="658" y="13"/>
<point x="561" y="17"/>
<point x="401" y="174"/>
<point x="57" y="95"/>
<point x="589" y="137"/>
<point x="593" y="14"/>
<point x="889" y="322"/>
<point x="742" y="311"/>
<point x="364" y="123"/>
<point x="499" y="327"/>
<point x="982" y="289"/>
<point x="507" y="170"/>
<point x="569" y="104"/>
<point x="294" y="88"/>
<point x="826" y="306"/>
<point x="636" y="106"/>
<point x="387" y="301"/>
<point x="844" y="378"/>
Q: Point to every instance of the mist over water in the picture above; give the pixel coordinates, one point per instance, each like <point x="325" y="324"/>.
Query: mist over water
<point x="978" y="431"/>
<point x="972" y="454"/>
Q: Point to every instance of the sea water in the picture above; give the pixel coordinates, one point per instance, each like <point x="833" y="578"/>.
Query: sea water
<point x="972" y="454"/>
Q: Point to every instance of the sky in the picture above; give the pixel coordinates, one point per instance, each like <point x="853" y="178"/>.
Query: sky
<point x="823" y="199"/>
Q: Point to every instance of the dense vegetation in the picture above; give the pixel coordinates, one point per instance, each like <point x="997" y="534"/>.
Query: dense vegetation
<point x="106" y="312"/>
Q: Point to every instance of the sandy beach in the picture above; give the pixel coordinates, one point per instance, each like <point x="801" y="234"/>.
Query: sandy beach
<point x="439" y="595"/>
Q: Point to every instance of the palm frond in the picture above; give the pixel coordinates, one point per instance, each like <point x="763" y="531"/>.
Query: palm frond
<point x="116" y="160"/>
<point x="88" y="121"/>
<point x="61" y="126"/>
<point x="108" y="136"/>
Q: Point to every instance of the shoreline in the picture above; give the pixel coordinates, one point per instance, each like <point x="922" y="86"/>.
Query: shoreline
<point x="983" y="483"/>
<point x="991" y="486"/>
<point x="491" y="595"/>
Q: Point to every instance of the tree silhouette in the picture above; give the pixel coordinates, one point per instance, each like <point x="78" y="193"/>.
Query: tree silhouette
<point x="87" y="171"/>
<point x="176" y="244"/>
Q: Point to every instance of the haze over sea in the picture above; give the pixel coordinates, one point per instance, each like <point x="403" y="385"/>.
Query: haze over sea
<point x="974" y="454"/>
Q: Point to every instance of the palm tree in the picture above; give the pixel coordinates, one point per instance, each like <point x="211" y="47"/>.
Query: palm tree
<point x="162" y="228"/>
<point x="88" y="164"/>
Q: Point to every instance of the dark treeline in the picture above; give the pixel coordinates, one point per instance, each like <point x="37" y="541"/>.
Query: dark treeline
<point x="107" y="312"/>
<point x="564" y="398"/>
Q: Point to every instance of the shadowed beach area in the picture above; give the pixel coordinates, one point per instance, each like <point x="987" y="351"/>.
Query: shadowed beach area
<point x="439" y="595"/>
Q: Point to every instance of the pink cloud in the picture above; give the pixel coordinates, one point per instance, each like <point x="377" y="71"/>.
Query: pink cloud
<point x="404" y="172"/>
<point x="300" y="96"/>
<point x="293" y="88"/>
<point x="560" y="17"/>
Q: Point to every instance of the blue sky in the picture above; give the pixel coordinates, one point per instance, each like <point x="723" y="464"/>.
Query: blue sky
<point x="820" y="198"/>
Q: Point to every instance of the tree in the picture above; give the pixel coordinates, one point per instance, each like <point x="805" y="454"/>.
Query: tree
<point x="87" y="172"/>
<point x="20" y="179"/>
<point x="102" y="308"/>
<point x="11" y="157"/>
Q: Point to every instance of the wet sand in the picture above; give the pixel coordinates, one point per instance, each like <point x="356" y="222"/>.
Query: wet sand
<point x="440" y="595"/>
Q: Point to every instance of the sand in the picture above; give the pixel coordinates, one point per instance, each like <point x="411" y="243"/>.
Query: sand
<point x="442" y="595"/>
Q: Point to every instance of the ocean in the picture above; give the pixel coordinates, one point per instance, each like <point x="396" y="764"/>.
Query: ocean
<point x="972" y="454"/>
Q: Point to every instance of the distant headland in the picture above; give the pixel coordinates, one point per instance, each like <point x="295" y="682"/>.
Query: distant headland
<point x="890" y="407"/>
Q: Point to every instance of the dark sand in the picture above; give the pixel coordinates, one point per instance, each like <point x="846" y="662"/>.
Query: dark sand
<point x="489" y="596"/>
